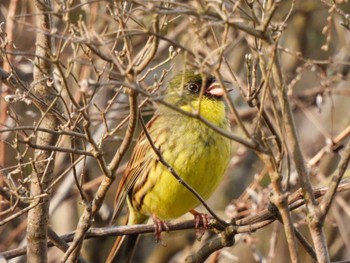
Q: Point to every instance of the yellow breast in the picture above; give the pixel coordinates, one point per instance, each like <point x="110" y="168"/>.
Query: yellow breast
<point x="196" y="152"/>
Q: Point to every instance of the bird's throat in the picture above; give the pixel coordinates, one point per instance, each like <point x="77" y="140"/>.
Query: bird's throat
<point x="211" y="110"/>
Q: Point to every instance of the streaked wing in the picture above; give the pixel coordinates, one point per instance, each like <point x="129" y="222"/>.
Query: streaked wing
<point x="137" y="165"/>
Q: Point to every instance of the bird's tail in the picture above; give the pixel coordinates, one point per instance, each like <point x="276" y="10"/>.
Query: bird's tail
<point x="123" y="249"/>
<point x="124" y="246"/>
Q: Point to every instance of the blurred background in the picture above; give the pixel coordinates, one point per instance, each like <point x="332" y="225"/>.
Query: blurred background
<point x="94" y="41"/>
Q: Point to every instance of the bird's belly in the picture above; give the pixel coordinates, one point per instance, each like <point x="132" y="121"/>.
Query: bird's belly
<point x="201" y="163"/>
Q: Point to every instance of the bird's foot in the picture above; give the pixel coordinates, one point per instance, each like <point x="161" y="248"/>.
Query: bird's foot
<point x="159" y="227"/>
<point x="201" y="223"/>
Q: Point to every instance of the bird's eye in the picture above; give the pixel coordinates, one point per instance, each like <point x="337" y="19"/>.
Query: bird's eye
<point x="193" y="87"/>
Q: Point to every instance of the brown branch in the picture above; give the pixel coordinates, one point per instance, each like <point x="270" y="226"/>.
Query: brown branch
<point x="56" y="148"/>
<point x="151" y="51"/>
<point x="249" y="224"/>
<point x="54" y="132"/>
<point x="38" y="217"/>
<point x="15" y="84"/>
<point x="215" y="17"/>
<point x="54" y="238"/>
<point x="227" y="239"/>
<point x="7" y="66"/>
<point x="88" y="215"/>
<point x="271" y="159"/>
<point x="315" y="227"/>
<point x="333" y="186"/>
<point x="336" y="145"/>
<point x="280" y="199"/>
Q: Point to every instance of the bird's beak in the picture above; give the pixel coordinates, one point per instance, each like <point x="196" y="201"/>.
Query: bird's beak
<point x="216" y="90"/>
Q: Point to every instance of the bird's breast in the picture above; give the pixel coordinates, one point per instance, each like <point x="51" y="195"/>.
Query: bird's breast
<point x="197" y="153"/>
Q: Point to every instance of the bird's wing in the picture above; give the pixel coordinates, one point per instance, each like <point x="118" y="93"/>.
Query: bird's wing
<point x="138" y="164"/>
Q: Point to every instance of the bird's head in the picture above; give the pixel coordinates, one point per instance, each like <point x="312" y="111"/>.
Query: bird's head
<point x="188" y="87"/>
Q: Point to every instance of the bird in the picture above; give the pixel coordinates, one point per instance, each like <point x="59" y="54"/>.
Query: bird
<point x="198" y="153"/>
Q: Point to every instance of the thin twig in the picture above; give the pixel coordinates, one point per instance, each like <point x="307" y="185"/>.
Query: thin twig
<point x="333" y="186"/>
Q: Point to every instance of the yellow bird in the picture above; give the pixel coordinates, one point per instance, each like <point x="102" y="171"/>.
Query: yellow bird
<point x="194" y="150"/>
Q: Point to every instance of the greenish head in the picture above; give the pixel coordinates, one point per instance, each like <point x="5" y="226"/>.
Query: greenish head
<point x="188" y="86"/>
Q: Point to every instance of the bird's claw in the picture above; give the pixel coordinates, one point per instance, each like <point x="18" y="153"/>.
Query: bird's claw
<point x="159" y="227"/>
<point x="201" y="223"/>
